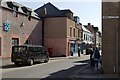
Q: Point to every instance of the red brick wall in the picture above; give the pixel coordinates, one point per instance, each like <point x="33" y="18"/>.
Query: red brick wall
<point x="31" y="29"/>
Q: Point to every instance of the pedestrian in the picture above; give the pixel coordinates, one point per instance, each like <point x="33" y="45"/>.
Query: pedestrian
<point x="71" y="51"/>
<point x="96" y="57"/>
<point x="79" y="52"/>
<point x="91" y="59"/>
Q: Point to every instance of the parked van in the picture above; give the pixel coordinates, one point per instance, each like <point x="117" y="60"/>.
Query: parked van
<point x="29" y="54"/>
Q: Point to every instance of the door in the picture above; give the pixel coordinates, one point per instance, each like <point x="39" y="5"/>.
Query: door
<point x="44" y="53"/>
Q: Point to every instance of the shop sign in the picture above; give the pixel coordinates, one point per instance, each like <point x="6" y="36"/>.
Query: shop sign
<point x="6" y="26"/>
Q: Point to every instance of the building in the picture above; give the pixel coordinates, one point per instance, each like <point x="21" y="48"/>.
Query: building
<point x="111" y="36"/>
<point x="86" y="39"/>
<point x="18" y="25"/>
<point x="98" y="39"/>
<point x="94" y="31"/>
<point x="61" y="30"/>
<point x="87" y="36"/>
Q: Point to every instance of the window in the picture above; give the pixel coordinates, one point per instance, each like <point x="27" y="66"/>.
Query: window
<point x="19" y="49"/>
<point x="84" y="36"/>
<point x="15" y="41"/>
<point x="74" y="32"/>
<point x="78" y="33"/>
<point x="29" y="18"/>
<point x="70" y="31"/>
<point x="15" y="9"/>
<point x="29" y="15"/>
<point x="35" y="49"/>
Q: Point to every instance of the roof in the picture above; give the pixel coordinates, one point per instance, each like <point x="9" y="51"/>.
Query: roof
<point x="52" y="11"/>
<point x="20" y="10"/>
<point x="85" y="29"/>
<point x="49" y="10"/>
<point x="67" y="11"/>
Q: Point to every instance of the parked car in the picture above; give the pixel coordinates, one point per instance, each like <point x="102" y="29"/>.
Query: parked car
<point x="29" y="54"/>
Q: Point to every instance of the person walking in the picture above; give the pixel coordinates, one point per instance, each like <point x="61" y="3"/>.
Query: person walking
<point x="91" y="59"/>
<point x="79" y="52"/>
<point x="96" y="57"/>
<point x="71" y="52"/>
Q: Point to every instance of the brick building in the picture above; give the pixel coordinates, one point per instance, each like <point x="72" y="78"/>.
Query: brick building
<point x="18" y="25"/>
<point x="61" y="29"/>
<point x="111" y="37"/>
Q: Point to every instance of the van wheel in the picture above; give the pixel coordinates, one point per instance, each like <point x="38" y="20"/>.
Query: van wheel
<point x="46" y="59"/>
<point x="31" y="62"/>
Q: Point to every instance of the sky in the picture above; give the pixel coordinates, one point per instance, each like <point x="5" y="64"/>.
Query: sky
<point x="89" y="11"/>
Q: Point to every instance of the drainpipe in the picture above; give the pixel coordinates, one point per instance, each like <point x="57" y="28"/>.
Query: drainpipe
<point x="42" y="31"/>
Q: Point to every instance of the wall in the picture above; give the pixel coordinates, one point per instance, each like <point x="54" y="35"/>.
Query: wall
<point x="55" y="35"/>
<point x="110" y="38"/>
<point x="0" y="30"/>
<point x="30" y="30"/>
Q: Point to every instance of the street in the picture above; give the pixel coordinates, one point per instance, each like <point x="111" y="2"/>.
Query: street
<point x="55" y="68"/>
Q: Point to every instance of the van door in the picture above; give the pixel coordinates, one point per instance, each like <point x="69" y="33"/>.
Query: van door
<point x="44" y="53"/>
<point x="39" y="53"/>
<point x="33" y="53"/>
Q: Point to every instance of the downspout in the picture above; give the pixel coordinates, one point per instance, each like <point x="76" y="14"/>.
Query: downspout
<point x="43" y="31"/>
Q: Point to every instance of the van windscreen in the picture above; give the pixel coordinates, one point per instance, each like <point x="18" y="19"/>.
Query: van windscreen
<point x="19" y="49"/>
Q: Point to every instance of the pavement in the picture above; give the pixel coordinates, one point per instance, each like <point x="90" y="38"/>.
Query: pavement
<point x="85" y="73"/>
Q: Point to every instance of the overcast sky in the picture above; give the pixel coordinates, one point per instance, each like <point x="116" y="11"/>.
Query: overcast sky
<point x="89" y="11"/>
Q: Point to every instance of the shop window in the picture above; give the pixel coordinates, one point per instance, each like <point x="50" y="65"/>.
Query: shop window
<point x="15" y="41"/>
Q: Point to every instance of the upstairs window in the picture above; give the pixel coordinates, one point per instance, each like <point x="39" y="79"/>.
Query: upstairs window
<point x="74" y="32"/>
<point x="15" y="9"/>
<point x="84" y="36"/>
<point x="27" y="11"/>
<point x="14" y="6"/>
<point x="29" y="15"/>
<point x="70" y="31"/>
<point x="78" y="33"/>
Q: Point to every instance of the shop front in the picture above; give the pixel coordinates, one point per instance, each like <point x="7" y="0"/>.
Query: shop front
<point x="73" y="47"/>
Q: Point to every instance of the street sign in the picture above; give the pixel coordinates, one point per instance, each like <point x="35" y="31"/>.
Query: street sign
<point x="110" y="17"/>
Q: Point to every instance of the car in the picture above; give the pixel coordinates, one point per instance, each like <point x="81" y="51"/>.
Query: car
<point x="29" y="54"/>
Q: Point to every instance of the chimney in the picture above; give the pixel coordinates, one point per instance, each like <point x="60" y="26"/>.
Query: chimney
<point x="92" y="25"/>
<point x="88" y="24"/>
